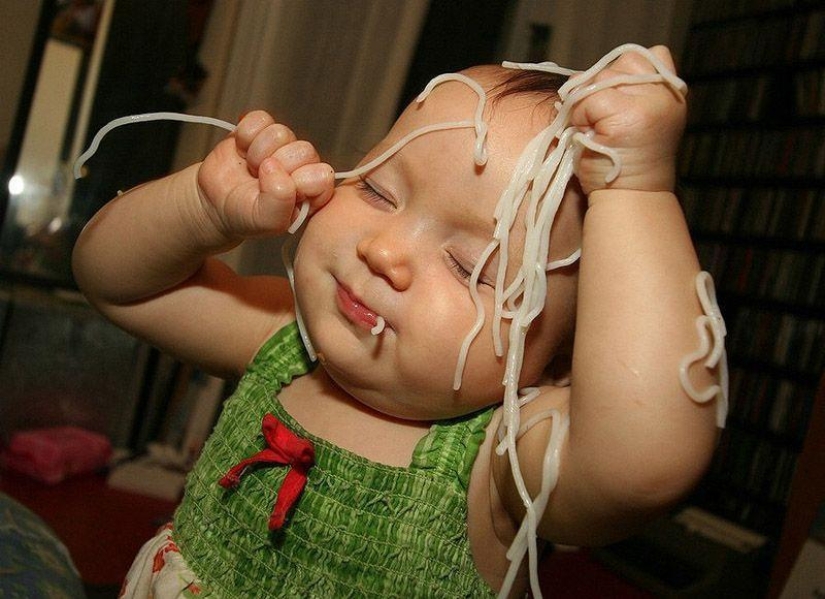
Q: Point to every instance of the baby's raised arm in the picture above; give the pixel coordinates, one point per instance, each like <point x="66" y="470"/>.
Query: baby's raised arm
<point x="637" y="442"/>
<point x="145" y="260"/>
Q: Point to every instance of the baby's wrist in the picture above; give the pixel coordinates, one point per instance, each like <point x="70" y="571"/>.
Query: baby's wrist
<point x="199" y="215"/>
<point x="663" y="180"/>
<point x="602" y="196"/>
<point x="634" y="175"/>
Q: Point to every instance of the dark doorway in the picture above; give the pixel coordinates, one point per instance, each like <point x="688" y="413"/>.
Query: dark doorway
<point x="456" y="34"/>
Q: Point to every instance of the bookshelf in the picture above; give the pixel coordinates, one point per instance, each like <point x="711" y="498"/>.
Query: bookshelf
<point x="752" y="181"/>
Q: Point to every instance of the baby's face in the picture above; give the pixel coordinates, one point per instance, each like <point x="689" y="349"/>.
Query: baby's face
<point x="401" y="243"/>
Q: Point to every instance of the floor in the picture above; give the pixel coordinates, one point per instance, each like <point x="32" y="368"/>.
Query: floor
<point x="103" y="529"/>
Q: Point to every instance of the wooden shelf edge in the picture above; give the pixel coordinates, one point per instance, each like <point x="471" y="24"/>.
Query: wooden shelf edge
<point x="807" y="494"/>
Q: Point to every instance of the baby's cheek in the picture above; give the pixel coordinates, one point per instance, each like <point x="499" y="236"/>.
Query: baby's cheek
<point x="430" y="342"/>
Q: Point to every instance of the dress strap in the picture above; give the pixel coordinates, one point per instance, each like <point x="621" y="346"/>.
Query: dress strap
<point x="451" y="446"/>
<point x="281" y="358"/>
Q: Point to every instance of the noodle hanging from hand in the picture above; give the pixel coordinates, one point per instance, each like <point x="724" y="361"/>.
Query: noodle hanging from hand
<point x="539" y="181"/>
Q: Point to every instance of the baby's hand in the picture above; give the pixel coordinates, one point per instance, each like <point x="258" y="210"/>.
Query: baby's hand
<point x="253" y="182"/>
<point x="642" y="122"/>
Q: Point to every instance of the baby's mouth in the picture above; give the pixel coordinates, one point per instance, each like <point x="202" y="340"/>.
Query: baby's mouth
<point x="357" y="312"/>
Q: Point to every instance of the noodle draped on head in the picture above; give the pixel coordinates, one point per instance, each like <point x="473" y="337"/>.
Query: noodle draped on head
<point x="539" y="181"/>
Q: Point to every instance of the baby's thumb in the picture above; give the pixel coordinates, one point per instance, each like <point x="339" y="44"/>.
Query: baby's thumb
<point x="315" y="184"/>
<point x="314" y="181"/>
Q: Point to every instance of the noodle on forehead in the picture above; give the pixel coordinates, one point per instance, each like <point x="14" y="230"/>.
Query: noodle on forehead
<point x="538" y="183"/>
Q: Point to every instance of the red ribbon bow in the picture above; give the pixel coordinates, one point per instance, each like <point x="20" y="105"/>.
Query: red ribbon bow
<point x="283" y="448"/>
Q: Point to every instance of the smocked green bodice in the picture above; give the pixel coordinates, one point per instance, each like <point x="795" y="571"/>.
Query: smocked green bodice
<point x="360" y="529"/>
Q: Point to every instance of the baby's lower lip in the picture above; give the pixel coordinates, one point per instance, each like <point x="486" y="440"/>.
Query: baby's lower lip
<point x="354" y="310"/>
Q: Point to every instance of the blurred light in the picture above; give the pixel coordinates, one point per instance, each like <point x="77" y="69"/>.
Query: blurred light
<point x="16" y="185"/>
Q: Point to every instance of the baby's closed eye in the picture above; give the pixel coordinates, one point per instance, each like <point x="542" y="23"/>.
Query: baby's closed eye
<point x="374" y="195"/>
<point x="460" y="270"/>
<point x="463" y="267"/>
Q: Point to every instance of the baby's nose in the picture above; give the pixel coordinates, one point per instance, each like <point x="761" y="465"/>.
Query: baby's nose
<point x="388" y="258"/>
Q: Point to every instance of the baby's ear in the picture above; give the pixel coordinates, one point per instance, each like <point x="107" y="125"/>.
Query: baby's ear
<point x="557" y="372"/>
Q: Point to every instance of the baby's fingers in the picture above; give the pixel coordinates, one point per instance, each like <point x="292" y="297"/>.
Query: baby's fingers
<point x="282" y="193"/>
<point x="277" y="197"/>
<point x="315" y="183"/>
<point x="664" y="55"/>
<point x="269" y="140"/>
<point x="249" y="127"/>
<point x="630" y="63"/>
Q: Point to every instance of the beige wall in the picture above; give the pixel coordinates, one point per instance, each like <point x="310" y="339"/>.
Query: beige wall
<point x="18" y="19"/>
<point x="332" y="70"/>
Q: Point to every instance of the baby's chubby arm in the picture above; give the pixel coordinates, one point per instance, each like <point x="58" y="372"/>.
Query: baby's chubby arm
<point x="146" y="259"/>
<point x="637" y="443"/>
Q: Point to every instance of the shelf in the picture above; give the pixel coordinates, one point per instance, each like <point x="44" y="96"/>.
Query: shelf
<point x="758" y="40"/>
<point x="774" y="124"/>
<point x="772" y="242"/>
<point x="728" y="181"/>
<point x="724" y="483"/>
<point x="778" y="406"/>
<point x="761" y="125"/>
<point x="764" y="304"/>
<point x="752" y="183"/>
<point x="773" y="10"/>
<point x="785" y="372"/>
<point x="781" y="440"/>
<point x="761" y="155"/>
<point x="755" y="70"/>
<point x="777" y="96"/>
<point x="784" y="218"/>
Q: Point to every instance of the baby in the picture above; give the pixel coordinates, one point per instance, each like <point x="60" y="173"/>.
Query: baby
<point x="387" y="460"/>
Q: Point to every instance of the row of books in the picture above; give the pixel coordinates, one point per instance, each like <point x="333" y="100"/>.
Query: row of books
<point x="756" y="44"/>
<point x="769" y="152"/>
<point x="759" y="466"/>
<point x="713" y="10"/>
<point x="781" y="339"/>
<point x="777" y="213"/>
<point x="763" y="402"/>
<point x="752" y="168"/>
<point x="809" y="92"/>
<point x="789" y="276"/>
<point x="799" y="94"/>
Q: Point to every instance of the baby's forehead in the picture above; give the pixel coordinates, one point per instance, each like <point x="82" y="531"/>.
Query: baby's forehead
<point x="491" y="83"/>
<point x="488" y="76"/>
<point x="455" y="140"/>
<point x="502" y="123"/>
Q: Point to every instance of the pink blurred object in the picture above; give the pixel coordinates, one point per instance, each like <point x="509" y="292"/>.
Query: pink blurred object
<point x="52" y="454"/>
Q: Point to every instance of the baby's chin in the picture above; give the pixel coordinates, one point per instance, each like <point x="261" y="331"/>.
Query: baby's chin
<point x="410" y="408"/>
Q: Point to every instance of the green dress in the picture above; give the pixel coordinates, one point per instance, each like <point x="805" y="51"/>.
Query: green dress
<point x="359" y="529"/>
